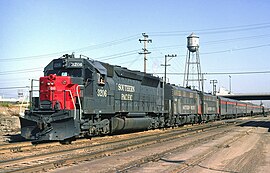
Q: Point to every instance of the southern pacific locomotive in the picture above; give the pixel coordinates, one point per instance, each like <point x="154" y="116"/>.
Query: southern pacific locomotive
<point x="82" y="97"/>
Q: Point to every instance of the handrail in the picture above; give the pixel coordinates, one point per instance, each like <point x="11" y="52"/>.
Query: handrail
<point x="21" y="113"/>
<point x="79" y="100"/>
<point x="31" y="96"/>
<point x="31" y="92"/>
<point x="75" y="116"/>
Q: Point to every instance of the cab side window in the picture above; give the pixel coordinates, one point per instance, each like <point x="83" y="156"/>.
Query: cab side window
<point x="101" y="79"/>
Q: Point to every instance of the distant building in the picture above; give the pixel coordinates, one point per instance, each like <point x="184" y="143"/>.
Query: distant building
<point x="9" y="100"/>
<point x="20" y="98"/>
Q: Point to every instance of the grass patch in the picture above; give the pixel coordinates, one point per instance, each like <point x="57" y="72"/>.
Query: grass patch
<point x="5" y="104"/>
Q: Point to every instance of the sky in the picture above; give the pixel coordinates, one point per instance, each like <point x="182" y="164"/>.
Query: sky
<point x="234" y="38"/>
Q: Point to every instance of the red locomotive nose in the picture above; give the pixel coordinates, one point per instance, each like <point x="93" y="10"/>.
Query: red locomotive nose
<point x="59" y="91"/>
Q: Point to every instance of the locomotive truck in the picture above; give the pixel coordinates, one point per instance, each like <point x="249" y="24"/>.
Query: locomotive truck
<point x="81" y="97"/>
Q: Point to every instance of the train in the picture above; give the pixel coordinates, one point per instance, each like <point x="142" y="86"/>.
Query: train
<point x="82" y="97"/>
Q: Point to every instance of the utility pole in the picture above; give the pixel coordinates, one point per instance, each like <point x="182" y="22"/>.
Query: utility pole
<point x="165" y="64"/>
<point x="203" y="82"/>
<point x="145" y="51"/>
<point x="214" y="86"/>
<point x="230" y="83"/>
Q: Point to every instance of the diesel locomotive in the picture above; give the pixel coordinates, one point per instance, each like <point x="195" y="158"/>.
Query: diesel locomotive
<point x="81" y="97"/>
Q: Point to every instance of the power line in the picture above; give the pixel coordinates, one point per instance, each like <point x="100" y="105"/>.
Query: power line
<point x="121" y="41"/>
<point x="237" y="49"/>
<point x="133" y="52"/>
<point x="214" y="30"/>
<point x="220" y="28"/>
<point x="107" y="44"/>
<point x="92" y="47"/>
<point x="215" y="41"/>
<point x="131" y="61"/>
<point x="15" y="72"/>
<point x="5" y="88"/>
<point x="114" y="56"/>
<point x="231" y="50"/>
<point x="225" y="73"/>
<point x="237" y="73"/>
<point x="20" y="71"/>
<point x="237" y="39"/>
<point x="122" y="54"/>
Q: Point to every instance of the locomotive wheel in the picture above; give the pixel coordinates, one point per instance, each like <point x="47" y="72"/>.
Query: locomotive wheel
<point x="88" y="136"/>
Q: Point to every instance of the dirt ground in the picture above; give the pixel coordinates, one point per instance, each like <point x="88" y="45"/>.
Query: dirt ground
<point x="245" y="148"/>
<point x="9" y="121"/>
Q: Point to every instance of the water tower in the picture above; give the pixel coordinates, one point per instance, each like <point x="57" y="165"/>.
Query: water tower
<point x="193" y="76"/>
<point x="193" y="42"/>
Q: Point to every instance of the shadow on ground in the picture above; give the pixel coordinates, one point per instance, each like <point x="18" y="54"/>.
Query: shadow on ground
<point x="14" y="138"/>
<point x="264" y="124"/>
<point x="172" y="161"/>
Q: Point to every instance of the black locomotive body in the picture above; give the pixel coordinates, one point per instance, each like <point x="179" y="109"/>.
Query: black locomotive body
<point x="111" y="99"/>
<point x="83" y="97"/>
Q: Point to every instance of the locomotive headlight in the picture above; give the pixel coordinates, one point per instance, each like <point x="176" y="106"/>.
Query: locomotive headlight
<point x="52" y="83"/>
<point x="48" y="83"/>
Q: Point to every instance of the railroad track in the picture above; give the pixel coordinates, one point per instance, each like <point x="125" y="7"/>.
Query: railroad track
<point x="187" y="164"/>
<point x="196" y="161"/>
<point x="52" y="160"/>
<point x="27" y="145"/>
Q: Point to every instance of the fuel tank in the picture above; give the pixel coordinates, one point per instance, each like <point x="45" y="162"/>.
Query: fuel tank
<point x="124" y="124"/>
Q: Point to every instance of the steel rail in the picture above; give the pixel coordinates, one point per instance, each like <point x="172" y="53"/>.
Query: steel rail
<point x="100" y="150"/>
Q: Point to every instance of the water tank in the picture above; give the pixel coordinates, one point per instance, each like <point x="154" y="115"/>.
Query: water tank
<point x="192" y="42"/>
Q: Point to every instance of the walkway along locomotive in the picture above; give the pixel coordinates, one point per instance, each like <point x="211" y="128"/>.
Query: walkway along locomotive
<point x="83" y="97"/>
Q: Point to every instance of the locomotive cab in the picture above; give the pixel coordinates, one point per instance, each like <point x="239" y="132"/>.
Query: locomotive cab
<point x="59" y="89"/>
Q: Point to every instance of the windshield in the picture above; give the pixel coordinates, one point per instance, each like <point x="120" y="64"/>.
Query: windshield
<point x="65" y="72"/>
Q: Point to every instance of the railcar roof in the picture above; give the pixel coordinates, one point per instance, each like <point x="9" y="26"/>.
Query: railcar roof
<point x="183" y="88"/>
